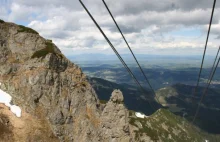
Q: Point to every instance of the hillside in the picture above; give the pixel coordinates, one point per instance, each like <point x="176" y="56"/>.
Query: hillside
<point x="180" y="100"/>
<point x="164" y="126"/>
<point x="59" y="104"/>
<point x="26" y="128"/>
<point x="177" y="98"/>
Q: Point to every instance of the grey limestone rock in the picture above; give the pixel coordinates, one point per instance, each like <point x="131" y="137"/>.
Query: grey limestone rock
<point x="44" y="83"/>
<point x="117" y="96"/>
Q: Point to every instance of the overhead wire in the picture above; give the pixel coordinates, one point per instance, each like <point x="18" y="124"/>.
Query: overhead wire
<point x="205" y="91"/>
<point x="211" y="73"/>
<point x="213" y="66"/>
<point x="210" y="24"/>
<point x="130" y="72"/>
<point x="118" y="55"/>
<point x="130" y="50"/>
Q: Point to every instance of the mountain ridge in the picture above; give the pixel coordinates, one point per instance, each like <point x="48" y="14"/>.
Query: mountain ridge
<point x="55" y="92"/>
<point x="45" y="84"/>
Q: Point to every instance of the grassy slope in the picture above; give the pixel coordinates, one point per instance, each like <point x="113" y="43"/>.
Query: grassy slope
<point x="179" y="100"/>
<point x="167" y="127"/>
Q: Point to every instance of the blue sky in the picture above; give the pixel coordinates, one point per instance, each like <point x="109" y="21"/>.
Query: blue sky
<point x="150" y="26"/>
<point x="187" y="32"/>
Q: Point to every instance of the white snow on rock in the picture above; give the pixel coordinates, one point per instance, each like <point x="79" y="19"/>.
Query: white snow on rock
<point x="16" y="110"/>
<point x="5" y="98"/>
<point x="140" y="115"/>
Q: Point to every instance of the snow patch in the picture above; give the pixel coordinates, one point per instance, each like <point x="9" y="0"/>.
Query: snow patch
<point x="16" y="110"/>
<point x="5" y="98"/>
<point x="140" y="115"/>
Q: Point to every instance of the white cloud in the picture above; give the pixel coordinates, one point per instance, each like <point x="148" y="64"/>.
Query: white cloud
<point x="146" y="24"/>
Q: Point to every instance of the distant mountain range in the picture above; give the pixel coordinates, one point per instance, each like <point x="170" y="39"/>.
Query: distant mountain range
<point x="148" y="60"/>
<point x="87" y="57"/>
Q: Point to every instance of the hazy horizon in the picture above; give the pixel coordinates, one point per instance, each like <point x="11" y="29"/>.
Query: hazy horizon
<point x="151" y="27"/>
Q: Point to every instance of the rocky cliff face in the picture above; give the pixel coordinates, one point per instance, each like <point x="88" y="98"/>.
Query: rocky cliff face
<point x="58" y="103"/>
<point x="54" y="91"/>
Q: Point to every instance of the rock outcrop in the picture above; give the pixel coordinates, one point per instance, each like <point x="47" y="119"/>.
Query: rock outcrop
<point x="45" y="84"/>
<point x="114" y="119"/>
<point x="58" y="103"/>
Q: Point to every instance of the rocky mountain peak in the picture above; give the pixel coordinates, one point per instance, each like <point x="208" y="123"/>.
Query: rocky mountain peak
<point x="114" y="119"/>
<point x="117" y="96"/>
<point x="46" y="85"/>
